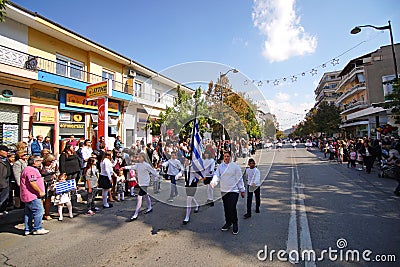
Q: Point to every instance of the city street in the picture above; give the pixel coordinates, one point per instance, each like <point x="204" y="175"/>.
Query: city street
<point x="307" y="204"/>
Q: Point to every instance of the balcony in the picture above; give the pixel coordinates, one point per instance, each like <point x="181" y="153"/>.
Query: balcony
<point x="350" y="92"/>
<point x="351" y="107"/>
<point x="75" y="77"/>
<point x="351" y="74"/>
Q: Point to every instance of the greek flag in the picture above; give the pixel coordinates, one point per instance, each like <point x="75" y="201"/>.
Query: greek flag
<point x="197" y="149"/>
<point x="63" y="187"/>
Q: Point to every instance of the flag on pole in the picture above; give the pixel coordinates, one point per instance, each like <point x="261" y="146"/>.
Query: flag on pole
<point x="197" y="150"/>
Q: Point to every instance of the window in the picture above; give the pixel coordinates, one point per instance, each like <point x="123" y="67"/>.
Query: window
<point x="158" y="97"/>
<point x="107" y="75"/>
<point x="68" y="67"/>
<point x="138" y="89"/>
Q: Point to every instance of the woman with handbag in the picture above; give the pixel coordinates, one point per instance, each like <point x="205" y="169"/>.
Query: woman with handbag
<point x="253" y="182"/>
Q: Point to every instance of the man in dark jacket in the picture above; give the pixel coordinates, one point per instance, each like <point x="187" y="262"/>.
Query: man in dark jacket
<point x="5" y="173"/>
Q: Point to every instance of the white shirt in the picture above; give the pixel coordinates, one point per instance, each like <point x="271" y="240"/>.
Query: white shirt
<point x="86" y="154"/>
<point x="106" y="168"/>
<point x="209" y="167"/>
<point x="230" y="177"/>
<point x="143" y="171"/>
<point x="253" y="176"/>
<point x="174" y="166"/>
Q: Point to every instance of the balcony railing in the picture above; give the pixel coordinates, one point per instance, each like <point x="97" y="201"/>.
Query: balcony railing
<point x="348" y="76"/>
<point x="356" y="88"/>
<point x="23" y="60"/>
<point x="353" y="106"/>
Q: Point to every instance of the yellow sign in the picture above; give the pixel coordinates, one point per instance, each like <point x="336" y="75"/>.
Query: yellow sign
<point x="78" y="117"/>
<point x="81" y="102"/>
<point x="97" y="90"/>
<point x="44" y="115"/>
<point x="72" y="125"/>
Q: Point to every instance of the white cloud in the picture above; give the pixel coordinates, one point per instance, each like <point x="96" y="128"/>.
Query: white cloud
<point x="281" y="97"/>
<point x="285" y="37"/>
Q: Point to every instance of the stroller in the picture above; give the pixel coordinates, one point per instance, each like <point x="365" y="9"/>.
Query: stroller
<point x="387" y="170"/>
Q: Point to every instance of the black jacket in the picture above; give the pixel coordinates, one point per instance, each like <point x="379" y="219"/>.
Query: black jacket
<point x="69" y="164"/>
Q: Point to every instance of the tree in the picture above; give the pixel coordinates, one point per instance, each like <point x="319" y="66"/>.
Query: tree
<point x="279" y="134"/>
<point x="392" y="102"/>
<point x="327" y="119"/>
<point x="3" y="9"/>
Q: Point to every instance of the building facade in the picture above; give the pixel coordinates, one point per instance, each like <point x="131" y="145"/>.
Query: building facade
<point x="44" y="71"/>
<point x="360" y="87"/>
<point x="326" y="89"/>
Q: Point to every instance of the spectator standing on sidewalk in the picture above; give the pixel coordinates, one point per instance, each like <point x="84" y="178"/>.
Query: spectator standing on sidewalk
<point x="229" y="175"/>
<point x="18" y="167"/>
<point x="32" y="190"/>
<point x="368" y="155"/>
<point x="5" y="173"/>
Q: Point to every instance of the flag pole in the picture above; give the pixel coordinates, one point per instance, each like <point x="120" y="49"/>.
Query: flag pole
<point x="192" y="141"/>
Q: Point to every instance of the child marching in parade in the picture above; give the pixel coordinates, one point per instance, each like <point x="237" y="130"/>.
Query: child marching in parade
<point x="143" y="171"/>
<point x="253" y="182"/>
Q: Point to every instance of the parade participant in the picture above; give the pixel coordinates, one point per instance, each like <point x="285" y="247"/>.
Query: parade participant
<point x="294" y="145"/>
<point x="143" y="170"/>
<point x="209" y="167"/>
<point x="229" y="175"/>
<point x="245" y="152"/>
<point x="279" y="145"/>
<point x="105" y="179"/>
<point x="191" y="179"/>
<point x="63" y="198"/>
<point x="174" y="171"/>
<point x="253" y="181"/>
<point x="32" y="190"/>
<point x="91" y="176"/>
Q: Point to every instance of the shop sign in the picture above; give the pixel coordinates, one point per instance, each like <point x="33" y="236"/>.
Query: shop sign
<point x="97" y="90"/>
<point x="44" y="115"/>
<point x="72" y="125"/>
<point x="5" y="100"/>
<point x="7" y="93"/>
<point x="81" y="101"/>
<point x="78" y="117"/>
<point x="65" y="116"/>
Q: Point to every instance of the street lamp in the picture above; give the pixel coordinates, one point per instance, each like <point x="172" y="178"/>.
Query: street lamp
<point x="357" y="29"/>
<point x="221" y="75"/>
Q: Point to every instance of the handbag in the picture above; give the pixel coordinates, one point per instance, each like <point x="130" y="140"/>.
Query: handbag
<point x="252" y="188"/>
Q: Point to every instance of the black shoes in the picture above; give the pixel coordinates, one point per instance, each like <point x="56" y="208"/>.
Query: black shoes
<point x="235" y="229"/>
<point x="196" y="210"/>
<point x="133" y="218"/>
<point x="210" y="203"/>
<point x="109" y="206"/>
<point x="246" y="216"/>
<point x="185" y="222"/>
<point x="226" y="227"/>
<point x="257" y="211"/>
<point x="148" y="211"/>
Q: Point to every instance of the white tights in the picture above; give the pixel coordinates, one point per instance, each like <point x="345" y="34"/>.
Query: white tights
<point x="139" y="204"/>
<point x="189" y="206"/>
<point x="210" y="193"/>
<point x="60" y="209"/>
<point x="104" y="193"/>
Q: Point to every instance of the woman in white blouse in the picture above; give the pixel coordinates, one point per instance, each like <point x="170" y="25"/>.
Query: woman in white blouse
<point x="105" y="178"/>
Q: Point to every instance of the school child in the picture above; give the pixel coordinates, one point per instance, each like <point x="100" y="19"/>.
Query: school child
<point x="91" y="176"/>
<point x="120" y="185"/>
<point x="253" y="181"/>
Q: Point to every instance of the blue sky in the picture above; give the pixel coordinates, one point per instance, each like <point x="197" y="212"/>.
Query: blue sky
<point x="264" y="40"/>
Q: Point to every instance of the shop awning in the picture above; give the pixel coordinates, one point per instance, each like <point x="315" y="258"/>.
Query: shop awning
<point x="365" y="112"/>
<point x="354" y="124"/>
<point x="112" y="121"/>
<point x="154" y="113"/>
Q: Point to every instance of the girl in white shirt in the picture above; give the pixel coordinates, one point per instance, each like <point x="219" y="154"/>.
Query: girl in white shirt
<point x="209" y="166"/>
<point x="105" y="178"/>
<point x="143" y="171"/>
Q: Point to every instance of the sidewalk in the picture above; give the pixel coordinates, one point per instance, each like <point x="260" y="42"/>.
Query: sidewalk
<point x="385" y="185"/>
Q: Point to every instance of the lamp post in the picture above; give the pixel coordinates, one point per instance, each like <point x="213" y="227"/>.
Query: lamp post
<point x="357" y="29"/>
<point x="221" y="75"/>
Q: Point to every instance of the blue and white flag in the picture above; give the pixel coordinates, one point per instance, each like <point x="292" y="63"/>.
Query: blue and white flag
<point x="66" y="186"/>
<point x="197" y="150"/>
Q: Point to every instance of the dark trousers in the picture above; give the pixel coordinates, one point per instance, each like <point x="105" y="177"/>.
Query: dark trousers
<point x="369" y="161"/>
<point x="250" y="199"/>
<point x="230" y="200"/>
<point x="4" y="193"/>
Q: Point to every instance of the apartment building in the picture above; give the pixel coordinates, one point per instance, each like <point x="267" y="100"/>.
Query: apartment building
<point x="326" y="89"/>
<point x="44" y="71"/>
<point x="361" y="86"/>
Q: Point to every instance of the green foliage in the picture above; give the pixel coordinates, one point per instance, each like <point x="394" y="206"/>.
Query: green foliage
<point x="392" y="102"/>
<point x="327" y="119"/>
<point x="280" y="134"/>
<point x="3" y="9"/>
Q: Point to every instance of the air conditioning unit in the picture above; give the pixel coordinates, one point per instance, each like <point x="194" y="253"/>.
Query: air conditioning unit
<point x="132" y="73"/>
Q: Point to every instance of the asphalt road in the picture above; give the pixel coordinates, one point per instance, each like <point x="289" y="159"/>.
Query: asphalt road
<point x="309" y="205"/>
